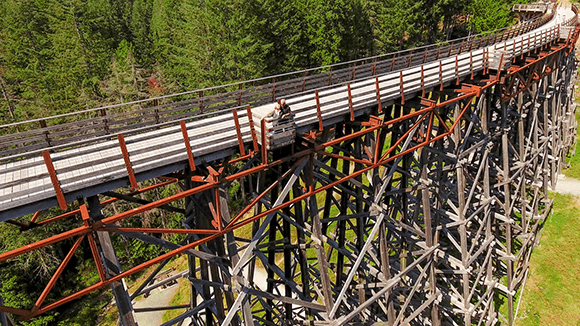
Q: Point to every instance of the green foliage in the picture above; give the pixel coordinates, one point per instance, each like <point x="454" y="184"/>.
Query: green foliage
<point x="492" y="14"/>
<point x="24" y="277"/>
<point x="123" y="82"/>
<point x="140" y="27"/>
<point x="396" y="24"/>
<point x="339" y="31"/>
<point x="212" y="44"/>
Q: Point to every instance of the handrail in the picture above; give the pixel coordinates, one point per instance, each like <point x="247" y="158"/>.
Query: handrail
<point x="530" y="7"/>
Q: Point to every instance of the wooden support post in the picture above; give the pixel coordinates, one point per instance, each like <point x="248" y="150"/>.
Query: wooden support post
<point x="461" y="190"/>
<point x="112" y="266"/>
<point x="317" y="234"/>
<point x="103" y="114"/>
<point x="264" y="142"/>
<point x="471" y="65"/>
<point x="330" y="77"/>
<point x="441" y="75"/>
<point x="200" y="96"/>
<point x="422" y="82"/>
<point x="457" y="70"/>
<point x="273" y="89"/>
<point x="507" y="205"/>
<point x="46" y="132"/>
<point x="401" y="83"/>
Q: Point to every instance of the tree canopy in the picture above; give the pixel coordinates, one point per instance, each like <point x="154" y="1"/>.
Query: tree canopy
<point x="64" y="55"/>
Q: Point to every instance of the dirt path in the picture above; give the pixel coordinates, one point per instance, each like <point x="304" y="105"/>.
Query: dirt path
<point x="159" y="298"/>
<point x="567" y="185"/>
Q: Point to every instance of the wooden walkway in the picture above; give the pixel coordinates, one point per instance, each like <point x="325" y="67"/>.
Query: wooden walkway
<point x="26" y="183"/>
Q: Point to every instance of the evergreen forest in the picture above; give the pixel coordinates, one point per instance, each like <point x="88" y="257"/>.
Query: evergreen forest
<point x="60" y="56"/>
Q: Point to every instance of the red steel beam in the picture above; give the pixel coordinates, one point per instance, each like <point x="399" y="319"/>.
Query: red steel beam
<point x="350" y="102"/>
<point x="264" y="140"/>
<point x="156" y="230"/>
<point x="187" y="145"/>
<point x="56" y="275"/>
<point x="55" y="183"/>
<point x="103" y="203"/>
<point x="318" y="113"/>
<point x="239" y="132"/>
<point x="128" y="165"/>
<point x="252" y="130"/>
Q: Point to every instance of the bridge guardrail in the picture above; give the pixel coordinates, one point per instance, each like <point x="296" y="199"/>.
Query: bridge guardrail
<point x="80" y="128"/>
<point x="542" y="7"/>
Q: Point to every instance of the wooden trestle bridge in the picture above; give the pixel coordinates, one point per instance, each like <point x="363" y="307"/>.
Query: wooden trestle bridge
<point x="403" y="189"/>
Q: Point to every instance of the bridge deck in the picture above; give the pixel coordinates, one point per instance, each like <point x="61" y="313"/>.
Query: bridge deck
<point x="26" y="185"/>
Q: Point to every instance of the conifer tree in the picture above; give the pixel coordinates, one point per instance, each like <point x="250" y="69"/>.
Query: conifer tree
<point x="140" y="27"/>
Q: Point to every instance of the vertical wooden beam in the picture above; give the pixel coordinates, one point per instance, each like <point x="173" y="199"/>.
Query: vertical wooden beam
<point x="401" y="83"/>
<point x="507" y="207"/>
<point x="461" y="190"/>
<point x="378" y="88"/>
<point x="264" y="142"/>
<point x="112" y="266"/>
<point x="317" y="238"/>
